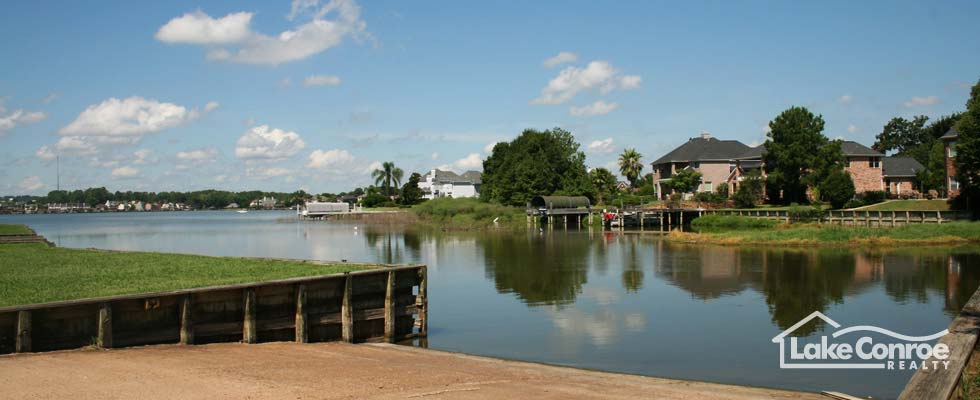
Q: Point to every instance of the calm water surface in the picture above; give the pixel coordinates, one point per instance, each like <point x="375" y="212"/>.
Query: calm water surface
<point x="625" y="303"/>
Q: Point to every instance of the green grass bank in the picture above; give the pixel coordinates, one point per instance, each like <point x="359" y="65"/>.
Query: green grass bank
<point x="468" y="214"/>
<point x="7" y="229"/>
<point x="738" y="230"/>
<point x="36" y="273"/>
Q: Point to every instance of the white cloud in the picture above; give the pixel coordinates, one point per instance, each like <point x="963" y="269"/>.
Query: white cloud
<point x="285" y="82"/>
<point x="243" y="45"/>
<point x="321" y="80"/>
<point x="435" y="156"/>
<point x="262" y="143"/>
<point x="132" y="116"/>
<point x="265" y="173"/>
<point x="597" y="75"/>
<point x="561" y="58"/>
<point x="851" y="128"/>
<point x="204" y="154"/>
<point x="846" y="99"/>
<point x="330" y="159"/>
<point x="142" y="156"/>
<point x="921" y="101"/>
<point x="199" y="28"/>
<point x="488" y="149"/>
<point x="30" y="183"/>
<point x="603" y="146"/>
<point x="125" y="172"/>
<point x="473" y="161"/>
<point x="211" y="106"/>
<point x="49" y="98"/>
<point x="18" y="117"/>
<point x="598" y="108"/>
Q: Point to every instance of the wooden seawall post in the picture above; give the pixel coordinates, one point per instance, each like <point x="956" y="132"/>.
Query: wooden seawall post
<point x="105" y="326"/>
<point x="347" y="312"/>
<point x="249" y="331"/>
<point x="23" y="340"/>
<point x="302" y="336"/>
<point x="186" y="320"/>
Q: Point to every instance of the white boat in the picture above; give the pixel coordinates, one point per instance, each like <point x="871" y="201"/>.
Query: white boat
<point x="242" y="211"/>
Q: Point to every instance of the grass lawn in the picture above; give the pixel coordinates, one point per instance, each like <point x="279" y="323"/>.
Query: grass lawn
<point x="909" y="205"/>
<point x="813" y="234"/>
<point x="7" y="229"/>
<point x="468" y="214"/>
<point x="36" y="273"/>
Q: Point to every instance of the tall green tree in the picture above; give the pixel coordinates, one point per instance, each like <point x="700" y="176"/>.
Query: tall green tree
<point x="901" y="135"/>
<point x="798" y="155"/>
<point x="837" y="188"/>
<point x="388" y="176"/>
<point x="535" y="163"/>
<point x="603" y="181"/>
<point x="967" y="161"/>
<point x="933" y="176"/>
<point x="630" y="165"/>
<point x="411" y="194"/>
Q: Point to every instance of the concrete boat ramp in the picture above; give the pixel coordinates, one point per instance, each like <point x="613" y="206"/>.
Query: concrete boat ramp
<point x="328" y="371"/>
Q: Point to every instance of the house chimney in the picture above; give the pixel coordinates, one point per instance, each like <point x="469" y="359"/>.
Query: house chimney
<point x="705" y="135"/>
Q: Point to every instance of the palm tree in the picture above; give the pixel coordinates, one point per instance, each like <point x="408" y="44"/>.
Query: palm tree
<point x="630" y="165"/>
<point x="387" y="175"/>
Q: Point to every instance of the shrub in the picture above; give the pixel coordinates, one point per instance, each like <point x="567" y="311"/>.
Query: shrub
<point x="749" y="191"/>
<point x="873" y="196"/>
<point x="373" y="200"/>
<point x="837" y="189"/>
<point x="798" y="213"/>
<point x="854" y="203"/>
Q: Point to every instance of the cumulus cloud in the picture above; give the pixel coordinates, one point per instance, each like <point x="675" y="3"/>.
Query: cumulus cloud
<point x="601" y="146"/>
<point x="488" y="149"/>
<point x="211" y="106"/>
<point x="265" y="173"/>
<point x="561" y="58"/>
<point x="851" y="128"/>
<point x="916" y="101"/>
<point x="204" y="154"/>
<point x="30" y="183"/>
<point x="243" y="45"/>
<point x="473" y="161"/>
<point x="18" y="117"/>
<point x="132" y="116"/>
<point x="261" y="142"/>
<point x="125" y="172"/>
<point x="598" y="108"/>
<point x="330" y="160"/>
<point x="321" y="80"/>
<point x="200" y="28"/>
<point x="597" y="75"/>
<point x="49" y="98"/>
<point x="845" y="99"/>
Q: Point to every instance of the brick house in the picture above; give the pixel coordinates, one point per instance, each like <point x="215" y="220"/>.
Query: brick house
<point x="899" y="174"/>
<point x="864" y="165"/>
<point x="949" y="141"/>
<point x="725" y="162"/>
<point x="713" y="158"/>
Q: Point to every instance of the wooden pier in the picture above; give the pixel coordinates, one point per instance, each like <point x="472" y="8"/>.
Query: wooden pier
<point x="858" y="217"/>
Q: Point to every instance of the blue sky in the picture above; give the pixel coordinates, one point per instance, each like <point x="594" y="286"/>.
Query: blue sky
<point x="281" y="96"/>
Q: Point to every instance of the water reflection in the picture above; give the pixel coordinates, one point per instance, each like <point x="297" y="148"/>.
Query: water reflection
<point x="628" y="303"/>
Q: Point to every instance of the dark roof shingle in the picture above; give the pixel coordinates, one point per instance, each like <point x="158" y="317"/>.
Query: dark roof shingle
<point x="900" y="166"/>
<point x="852" y="148"/>
<point x="704" y="149"/>
<point x="951" y="134"/>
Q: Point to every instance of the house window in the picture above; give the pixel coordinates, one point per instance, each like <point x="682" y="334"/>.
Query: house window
<point x="874" y="162"/>
<point x="706" y="187"/>
<point x="952" y="148"/>
<point x="953" y="184"/>
<point x="696" y="165"/>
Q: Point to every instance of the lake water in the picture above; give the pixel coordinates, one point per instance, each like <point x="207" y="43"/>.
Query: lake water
<point x="616" y="302"/>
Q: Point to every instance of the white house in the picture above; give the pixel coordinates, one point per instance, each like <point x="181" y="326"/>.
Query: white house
<point x="438" y="183"/>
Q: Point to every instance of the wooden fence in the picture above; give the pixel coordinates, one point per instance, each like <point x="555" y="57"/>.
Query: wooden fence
<point x="859" y="217"/>
<point x="948" y="383"/>
<point x="370" y="305"/>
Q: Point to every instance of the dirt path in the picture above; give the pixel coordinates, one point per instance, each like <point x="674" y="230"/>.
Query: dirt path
<point x="326" y="371"/>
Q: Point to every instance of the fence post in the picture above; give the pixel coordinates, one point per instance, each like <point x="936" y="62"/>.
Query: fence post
<point x="347" y="312"/>
<point x="23" y="340"/>
<point x="249" y="334"/>
<point x="302" y="336"/>
<point x="105" y="326"/>
<point x="186" y="320"/>
<point x="390" y="308"/>
<point x="423" y="302"/>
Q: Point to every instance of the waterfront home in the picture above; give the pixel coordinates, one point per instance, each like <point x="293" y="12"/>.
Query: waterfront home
<point x="714" y="159"/>
<point x="438" y="183"/>
<point x="949" y="141"/>
<point x="725" y="162"/>
<point x="267" y="202"/>
<point x="899" y="175"/>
